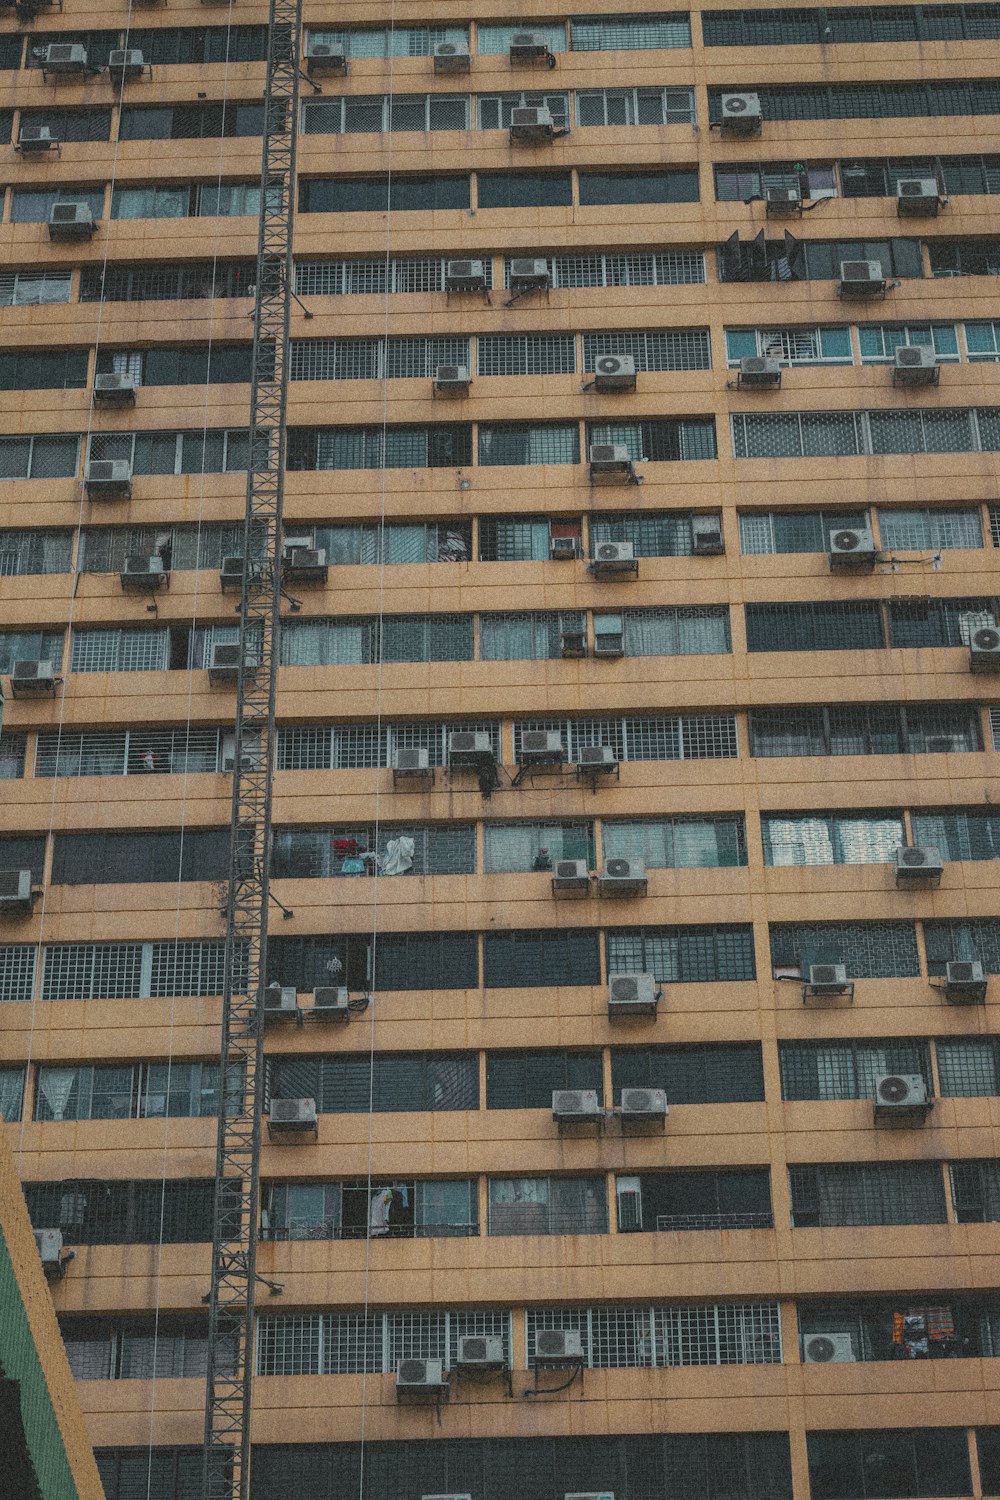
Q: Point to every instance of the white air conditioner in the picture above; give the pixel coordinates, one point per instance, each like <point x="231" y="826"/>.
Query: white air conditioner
<point x="64" y="57"/>
<point x="706" y="536"/>
<point x="115" y="390"/>
<point x="531" y="122"/>
<point x="36" y="138"/>
<point x="412" y="761"/>
<point x="965" y="981"/>
<point x="543" y="745"/>
<point x="15" y="893"/>
<point x="918" y="865"/>
<point x="740" y="113"/>
<point x="465" y="276"/>
<point x="526" y="46"/>
<point x="109" y="479"/>
<point x="759" y="370"/>
<point x="323" y="57"/>
<point x="609" y="637"/>
<point x="827" y="1349"/>
<point x="143" y="574"/>
<point x="224" y="662"/>
<point x="559" y="1346"/>
<point x="613" y="557"/>
<point x="644" y="1104"/>
<point x="623" y="877"/>
<point x="576" y="1106"/>
<point x="570" y="879"/>
<point x="480" y="1352"/>
<point x="304" y="564"/>
<point x="332" y="1001"/>
<point x="50" y="1250"/>
<point x="915" y="364"/>
<point x="250" y="753"/>
<point x="469" y="747"/>
<point x="292" y="1117"/>
<point x="917" y="197"/>
<point x="71" y="220"/>
<point x="596" y="758"/>
<point x="984" y="649"/>
<point x="900" y="1094"/>
<point x="525" y="273"/>
<point x="614" y="372"/>
<point x="828" y="979"/>
<point x="29" y="678"/>
<point x="280" y="1000"/>
<point x="420" y="1377"/>
<point x="852" y="548"/>
<point x="564" y="548"/>
<point x="861" y="278"/>
<point x="452" y="57"/>
<point x="782" y="197"/>
<point x="126" y="62"/>
<point x="610" y="461"/>
<point x="452" y="380"/>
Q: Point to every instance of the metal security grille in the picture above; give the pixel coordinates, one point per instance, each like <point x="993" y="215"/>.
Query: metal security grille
<point x="526" y="354"/>
<point x="683" y="955"/>
<point x="393" y="638"/>
<point x="343" y="278"/>
<point x="870" y="950"/>
<point x="939" y="529"/>
<point x="363" y="746"/>
<point x="635" y="106"/>
<point x="629" y="33"/>
<point x="664" y="1335"/>
<point x="659" y="440"/>
<point x="848" y="625"/>
<point x="659" y="349"/>
<point x="651" y="535"/>
<point x="133" y="752"/>
<point x="775" y="531"/>
<point x="125" y="649"/>
<point x="968" y="1067"/>
<point x="527" y="636"/>
<point x="444" y="849"/>
<point x="17" y="971"/>
<point x="857" y="1193"/>
<point x="668" y="268"/>
<point x="352" y="1343"/>
<point x="977" y="937"/>
<point x="394" y="358"/>
<point x="847" y="1070"/>
<point x="125" y="971"/>
<point x="12" y="756"/>
<point x="821" y="838"/>
<point x="27" y="552"/>
<point x="865" y="729"/>
<point x="877" y="101"/>
<point x="34" y="288"/>
<point x="667" y="737"/>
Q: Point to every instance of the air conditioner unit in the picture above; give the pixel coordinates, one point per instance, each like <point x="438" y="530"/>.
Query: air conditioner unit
<point x="125" y="63"/>
<point x="965" y="982"/>
<point x="623" y="877"/>
<point x="50" y="1250"/>
<point x="281" y="1002"/>
<point x="984" y="649"/>
<point x="917" y="197"/>
<point x="115" y="390"/>
<point x="741" y="113"/>
<point x="559" y="1346"/>
<point x="465" y="276"/>
<point x="861" y="278"/>
<point x="452" y="380"/>
<point x="570" y="879"/>
<point x="915" y="364"/>
<point x="224" y="662"/>
<point x="531" y="122"/>
<point x="918" y="865"/>
<point x="250" y="753"/>
<point x="573" y="643"/>
<point x="901" y="1094"/>
<point x="452" y="57"/>
<point x="143" y="574"/>
<point x="32" y="679"/>
<point x="609" y="639"/>
<point x="614" y="372"/>
<point x="706" y="536"/>
<point x="420" y="1377"/>
<point x="851" y="550"/>
<point x="469" y="747"/>
<point x="304" y="564"/>
<point x="414" y="761"/>
<point x="109" y="479"/>
<point x="828" y="979"/>
<point x="759" y="370"/>
<point x="292" y="1117"/>
<point x="323" y="57"/>
<point x="827" y="1349"/>
<point x="564" y="548"/>
<point x="541" y="746"/>
<point x="612" y="558"/>
<point x="480" y="1352"/>
<point x="644" y="1104"/>
<point x="15" y="893"/>
<point x="36" y="138"/>
<point x="71" y="221"/>
<point x="596" y="758"/>
<point x="332" y="1002"/>
<point x="526" y="273"/>
<point x="576" y="1106"/>
<point x="231" y="573"/>
<point x="610" y="462"/>
<point x="782" y="200"/>
<point x="527" y="46"/>
<point x="64" y="57"/>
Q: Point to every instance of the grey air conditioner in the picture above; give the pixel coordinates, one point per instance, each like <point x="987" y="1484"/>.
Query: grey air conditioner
<point x="469" y="747"/>
<point x="827" y="1349"/>
<point x="901" y="1096"/>
<point x="529" y="273"/>
<point x="706" y="536"/>
<point x="143" y="575"/>
<point x="50" y="1251"/>
<point x="609" y="637"/>
<point x="420" y="1377"/>
<point x="36" y="138"/>
<point x="862" y="278"/>
<point x="610" y="463"/>
<point x="480" y="1352"/>
<point x="984" y="649"/>
<point x="644" y="1104"/>
<point x="323" y="57"/>
<point x="760" y="371"/>
<point x="613" y="559"/>
<point x="64" y="57"/>
<point x="614" y="372"/>
<point x="559" y="1346"/>
<point x="623" y="877"/>
<point x="740" y="114"/>
<point x="32" y="679"/>
<point x="564" y="548"/>
<point x="109" y="479"/>
<point x="576" y="1107"/>
<point x="114" y="390"/>
<point x="531" y="123"/>
<point x="782" y="201"/>
<point x="231" y="573"/>
<point x="280" y="1002"/>
<point x="304" y="564"/>
<point x="541" y="747"/>
<point x="465" y="276"/>
<point x="573" y="643"/>
<point x="828" y="979"/>
<point x="852" y="550"/>
<point x="527" y="46"/>
<point x="126" y="63"/>
<point x="917" y="197"/>
<point x="570" y="880"/>
<point x="292" y="1119"/>
<point x="71" y="220"/>
<point x="916" y="866"/>
<point x="452" y="57"/>
<point x="631" y="995"/>
<point x="594" y="759"/>
<point x="452" y="380"/>
<point x="224" y="660"/>
<point x="331" y="1002"/>
<point x="16" y="897"/>
<point x="965" y="982"/>
<point x="915" y="364"/>
<point x="412" y="763"/>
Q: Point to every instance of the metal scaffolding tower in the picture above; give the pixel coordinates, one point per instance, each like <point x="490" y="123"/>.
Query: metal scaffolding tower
<point x="237" y="1169"/>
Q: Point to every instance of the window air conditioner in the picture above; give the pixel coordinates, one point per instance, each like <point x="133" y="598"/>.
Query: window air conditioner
<point x="332" y="1002"/>
<point x="143" y="574"/>
<point x="36" y="138"/>
<point x="861" y="278"/>
<point x="469" y="747"/>
<point x="573" y="643"/>
<point x="570" y="879"/>
<point x="304" y="564"/>
<point x="50" y="1250"/>
<point x="610" y="462"/>
<point x="231" y="573"/>
<point x="28" y="678"/>
<point x="109" y="479"/>
<point x="623" y="877"/>
<point x="596" y="758"/>
<point x="323" y="57"/>
<point x="114" y="390"/>
<point x="741" y="113"/>
<point x="644" y="1104"/>
<point x="611" y="558"/>
<point x="915" y="364"/>
<point x="527" y="46"/>
<point x="281" y="1001"/>
<point x="914" y="865"/>
<point x="827" y="1349"/>
<point x="526" y="273"/>
<point x="851" y="549"/>
<point x="452" y="380"/>
<point x="576" y="1106"/>
<point x="759" y="370"/>
<point x="452" y="57"/>
<point x="420" y="1377"/>
<point x="706" y="536"/>
<point x="828" y="979"/>
<point x="15" y="893"/>
<point x="71" y="221"/>
<point x="125" y="63"/>
<point x="481" y="1352"/>
<point x="64" y="57"/>
<point x="559" y="1346"/>
<point x="965" y="982"/>
<point x="541" y="746"/>
<point x="984" y="649"/>
<point x="531" y="123"/>
<point x="901" y="1095"/>
<point x="564" y="548"/>
<point x="779" y="199"/>
<point x="224" y="662"/>
<point x="614" y="372"/>
<point x="292" y="1117"/>
<point x="609" y="637"/>
<point x="414" y="761"/>
<point x="465" y="276"/>
<point x="917" y="197"/>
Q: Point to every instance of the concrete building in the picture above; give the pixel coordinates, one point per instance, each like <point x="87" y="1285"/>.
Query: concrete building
<point x="645" y="406"/>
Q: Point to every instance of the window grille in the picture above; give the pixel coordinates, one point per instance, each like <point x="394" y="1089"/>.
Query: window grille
<point x="31" y="457"/>
<point x="365" y="746"/>
<point x="679" y="631"/>
<point x="533" y="957"/>
<point x="127" y="752"/>
<point x="968" y="1067"/>
<point x="972" y="257"/>
<point x="326" y="278"/>
<point x="396" y="543"/>
<point x="72" y="125"/>
<point x="419" y="1082"/>
<point x="524" y="443"/>
<point x="394" y="358"/>
<point x="826" y="434"/>
<point x="667" y="268"/>
<point x="398" y="41"/>
<point x="652" y="534"/>
<point x="11" y="1093"/>
<point x="532" y="636"/>
<point x="791" y="346"/>
<point x="629" y="33"/>
<point x="391" y="638"/>
<point x="833" y="1194"/>
<point x="34" y="288"/>
<point x="878" y="342"/>
<point x="865" y="729"/>
<point x="659" y="737"/>
<point x="352" y="1343"/>
<point x="17" y="971"/>
<point x="662" y="349"/>
<point x="745" y="181"/>
<point x="525" y="354"/>
<point x="925" y="527"/>
<point x="353" y="114"/>
<point x="876" y="101"/>
<point x="142" y="283"/>
<point x="205" y="451"/>
<point x="847" y="1070"/>
<point x="27" y="552"/>
<point x="30" y="645"/>
<point x="856" y="23"/>
<point x="438" y="447"/>
<point x="118" y="1212"/>
<point x="959" y="833"/>
<point x="938" y="622"/>
<point x="847" y="625"/>
<point x="636" y="106"/>
<point x="975" y="1191"/>
<point x="853" y="1463"/>
<point x="160" y="1473"/>
<point x="491" y="40"/>
<point x="12" y="753"/>
<point x="666" y="1335"/>
<point x="548" y="1205"/>
<point x="717" y="842"/>
<point x="695" y="1201"/>
<point x="982" y="340"/>
<point x="770" y="531"/>
<point x="438" y="849"/>
<point x="721" y="1073"/>
<point x="973" y="938"/>
<point x="832" y="838"/>
<point x="536" y="846"/>
<point x="33" y="205"/>
<point x="870" y="950"/>
<point x="659" y="441"/>
<point x="683" y="955"/>
<point x="127" y="971"/>
<point x="527" y="1080"/>
<point x="495" y="111"/>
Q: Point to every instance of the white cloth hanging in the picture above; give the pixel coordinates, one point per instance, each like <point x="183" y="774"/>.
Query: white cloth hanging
<point x="398" y="856"/>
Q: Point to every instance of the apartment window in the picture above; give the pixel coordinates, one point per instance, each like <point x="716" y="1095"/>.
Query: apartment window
<point x="30" y="645"/>
<point x="898" y="23"/>
<point x="132" y="971"/>
<point x="927" y="527"/>
<point x="637" y="106"/>
<point x="182" y="122"/>
<point x="677" y="1202"/>
<point x="437" y="849"/>
<point x="355" y="1343"/>
<point x="831" y="1194"/>
<point x="959" y="833"/>
<point x="174" y="1211"/>
<point x="125" y="649"/>
<point x="685" y="631"/>
<point x="906" y="1327"/>
<point x="668" y="1336"/>
<point x="336" y="278"/>
<point x="678" y="186"/>
<point x="441" y="446"/>
<point x="839" y="625"/>
<point x="398" y="41"/>
<point x="847" y="1070"/>
<point x="379" y="1209"/>
<point x="982" y="341"/>
<point x="24" y="852"/>
<point x="832" y="838"/>
<point x="988" y="1448"/>
<point x="630" y="33"/>
<point x="11" y="1093"/>
<point x="154" y="283"/>
<point x="520" y="539"/>
<point x="517" y="443"/>
<point x="152" y="1473"/>
<point x="495" y="111"/>
<point x="524" y="189"/>
<point x="203" y="451"/>
<point x="127" y="753"/>
<point x="98" y="45"/>
<point x="797" y="434"/>
<point x="651" y="533"/>
<point x="979" y="257"/>
<point x="393" y="358"/>
<point x="723" y="1073"/>
<point x="683" y="843"/>
<point x="35" y="288"/>
<point x="167" y="1347"/>
<point x="683" y="955"/>
<point x="865" y="729"/>
<point x="889" y="1462"/>
<point x="878" y="342"/>
<point x="140" y="858"/>
<point x="386" y="1083"/>
<point x="11" y="50"/>
<point x="396" y="542"/>
<point x="975" y="1191"/>
<point x="132" y="1091"/>
<point x="527" y="637"/>
<point x="31" y="457"/>
<point x="17" y="971"/>
<point x="680" y="349"/>
<point x="12" y="749"/>
<point x="400" y="638"/>
<point x="358" y="746"/>
<point x="792" y="346"/>
<point x="977" y="937"/>
<point x="956" y="175"/>
<point x="651" y="737"/>
<point x="24" y="553"/>
<point x="527" y="1080"/>
<point x="814" y="260"/>
<point x="548" y="1205"/>
<point x="525" y="354"/>
<point x="72" y="125"/>
<point x="938" y="622"/>
<point x="104" y="549"/>
<point x="536" y="846"/>
<point x="659" y="440"/>
<point x="167" y="45"/>
<point x="491" y="40"/>
<point x="968" y="1067"/>
<point x="197" y="364"/>
<point x="775" y="531"/>
<point x="870" y="950"/>
<point x="353" y="114"/>
<point x="871" y="101"/>
<point x="529" y="958"/>
<point x="745" y="181"/>
<point x="198" y="200"/>
<point x="667" y="268"/>
<point x="401" y="961"/>
<point x="39" y="370"/>
<point x="403" y="194"/>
